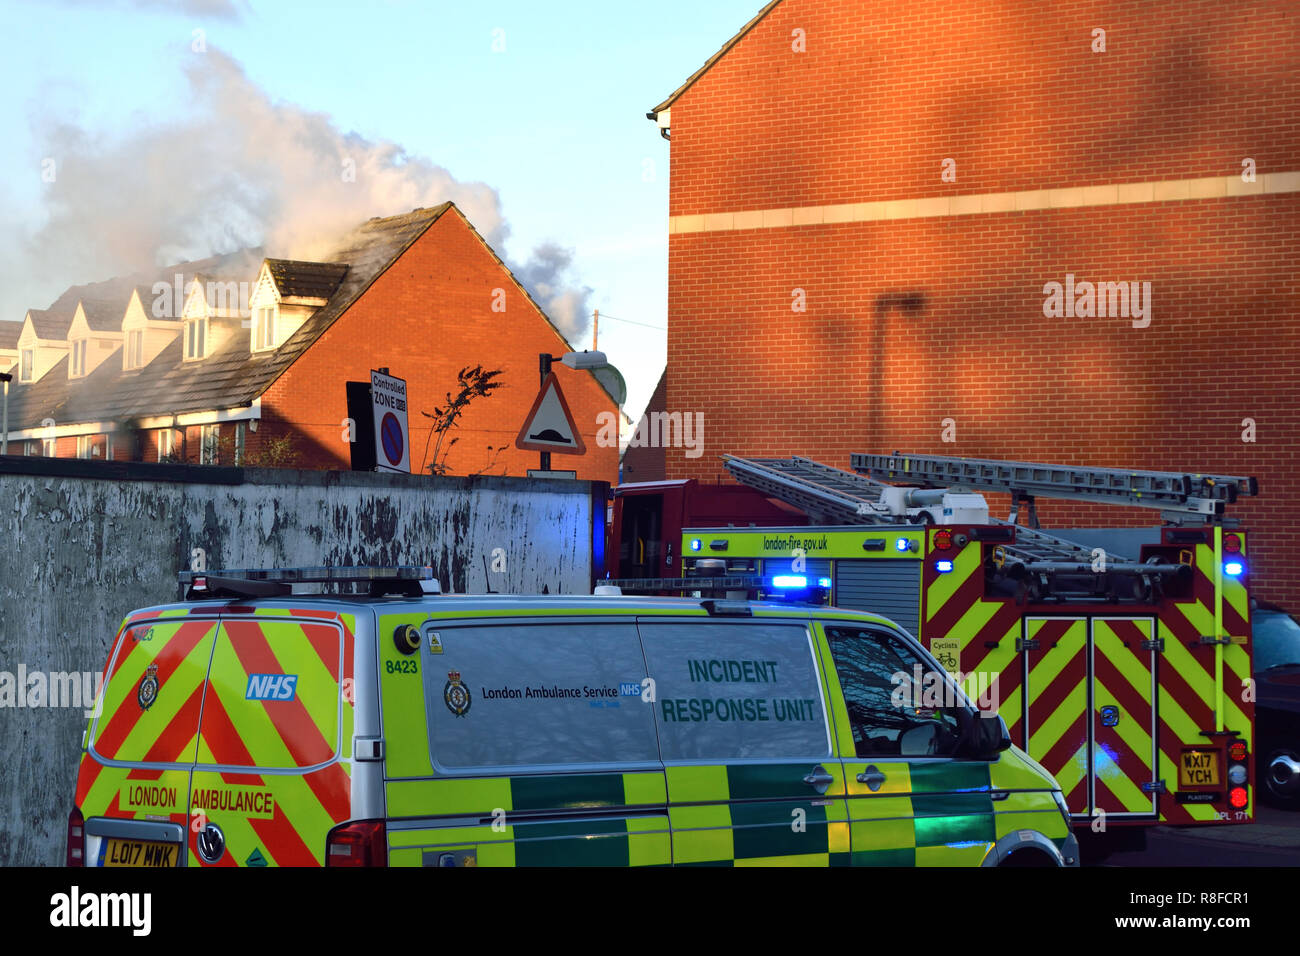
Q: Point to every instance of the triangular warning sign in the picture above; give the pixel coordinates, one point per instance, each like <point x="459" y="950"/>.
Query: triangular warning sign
<point x="255" y="858"/>
<point x="549" y="425"/>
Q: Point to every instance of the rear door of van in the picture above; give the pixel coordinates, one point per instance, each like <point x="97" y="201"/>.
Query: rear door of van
<point x="744" y="731"/>
<point x="272" y="770"/>
<point x="134" y="780"/>
<point x="520" y="743"/>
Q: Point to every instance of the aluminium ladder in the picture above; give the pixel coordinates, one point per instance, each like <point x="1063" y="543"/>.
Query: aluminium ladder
<point x="835" y="496"/>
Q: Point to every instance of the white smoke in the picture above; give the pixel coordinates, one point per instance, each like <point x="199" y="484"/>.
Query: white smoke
<point x="212" y="9"/>
<point x="239" y="170"/>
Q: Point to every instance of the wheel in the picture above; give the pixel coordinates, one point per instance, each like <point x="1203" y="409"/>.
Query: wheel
<point x="1279" y="776"/>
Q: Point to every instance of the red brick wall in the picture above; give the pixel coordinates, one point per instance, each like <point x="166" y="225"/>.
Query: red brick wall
<point x="1012" y="91"/>
<point x="425" y="318"/>
<point x="910" y="322"/>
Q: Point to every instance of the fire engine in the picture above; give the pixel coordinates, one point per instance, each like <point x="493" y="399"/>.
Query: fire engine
<point x="1119" y="658"/>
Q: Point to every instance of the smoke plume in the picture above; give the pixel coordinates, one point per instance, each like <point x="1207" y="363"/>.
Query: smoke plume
<point x="240" y="170"/>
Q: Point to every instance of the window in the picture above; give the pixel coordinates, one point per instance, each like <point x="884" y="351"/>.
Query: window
<point x="265" y="331"/>
<point x="209" y="450"/>
<point x="734" y="691"/>
<point x="48" y="448"/>
<point x="85" y="445"/>
<point x="135" y="349"/>
<point x="196" y="338"/>
<point x="27" y="363"/>
<point x="240" y="429"/>
<point x="898" y="704"/>
<point x="535" y="696"/>
<point x="78" y="358"/>
<point x="166" y="440"/>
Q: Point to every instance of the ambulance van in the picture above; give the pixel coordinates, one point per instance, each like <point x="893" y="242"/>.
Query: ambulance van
<point x="249" y="725"/>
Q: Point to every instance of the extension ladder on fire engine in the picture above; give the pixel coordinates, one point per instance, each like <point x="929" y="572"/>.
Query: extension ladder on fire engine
<point x="1181" y="496"/>
<point x="831" y="495"/>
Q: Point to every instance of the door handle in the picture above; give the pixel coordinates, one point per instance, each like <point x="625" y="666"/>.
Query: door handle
<point x="819" y="779"/>
<point x="872" y="777"/>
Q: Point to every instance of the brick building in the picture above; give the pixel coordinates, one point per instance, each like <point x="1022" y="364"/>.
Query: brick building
<point x="243" y="359"/>
<point x="870" y="200"/>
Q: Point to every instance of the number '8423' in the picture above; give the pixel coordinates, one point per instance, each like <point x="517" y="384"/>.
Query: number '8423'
<point x="402" y="667"/>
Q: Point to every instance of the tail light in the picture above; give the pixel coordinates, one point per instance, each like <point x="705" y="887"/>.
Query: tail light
<point x="943" y="540"/>
<point x="359" y="843"/>
<point x="1238" y="775"/>
<point x="76" y="839"/>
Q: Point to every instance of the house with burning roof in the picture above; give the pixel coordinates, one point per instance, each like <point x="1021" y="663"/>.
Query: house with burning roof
<point x="243" y="359"/>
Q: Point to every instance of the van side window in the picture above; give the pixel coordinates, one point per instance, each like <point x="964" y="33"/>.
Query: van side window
<point x="506" y="697"/>
<point x="885" y="689"/>
<point x="727" y="691"/>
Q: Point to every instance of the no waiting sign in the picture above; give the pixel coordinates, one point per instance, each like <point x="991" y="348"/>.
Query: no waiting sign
<point x="392" y="447"/>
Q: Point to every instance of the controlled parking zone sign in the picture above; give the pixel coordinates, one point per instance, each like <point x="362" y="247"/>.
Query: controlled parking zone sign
<point x="392" y="445"/>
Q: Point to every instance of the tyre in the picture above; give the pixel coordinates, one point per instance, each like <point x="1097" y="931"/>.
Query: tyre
<point x="1279" y="776"/>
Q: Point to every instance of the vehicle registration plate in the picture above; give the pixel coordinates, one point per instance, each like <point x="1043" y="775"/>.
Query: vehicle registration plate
<point x="1198" y="768"/>
<point x="140" y="853"/>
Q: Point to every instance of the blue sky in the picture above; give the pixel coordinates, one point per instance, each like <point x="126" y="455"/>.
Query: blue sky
<point x="554" y="123"/>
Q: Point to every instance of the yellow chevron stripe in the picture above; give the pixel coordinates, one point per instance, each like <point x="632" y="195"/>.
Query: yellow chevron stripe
<point x="945" y="586"/>
<point x="316" y="687"/>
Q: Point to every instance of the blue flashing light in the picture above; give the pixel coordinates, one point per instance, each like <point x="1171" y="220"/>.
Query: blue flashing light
<point x="943" y="566"/>
<point x="789" y="581"/>
<point x="901" y="544"/>
<point x="1233" y="569"/>
<point x="696" y="544"/>
<point x="823" y="582"/>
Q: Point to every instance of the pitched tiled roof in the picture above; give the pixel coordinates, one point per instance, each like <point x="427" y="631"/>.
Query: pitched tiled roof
<point x="9" y="332"/>
<point x="52" y="323"/>
<point x="726" y="48"/>
<point x="308" y="280"/>
<point x="230" y="377"/>
<point x="105" y="315"/>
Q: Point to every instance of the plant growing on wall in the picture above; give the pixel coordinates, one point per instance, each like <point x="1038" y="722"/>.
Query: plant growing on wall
<point x="475" y="382"/>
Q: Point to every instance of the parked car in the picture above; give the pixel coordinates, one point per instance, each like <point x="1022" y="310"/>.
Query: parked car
<point x="1277" y="705"/>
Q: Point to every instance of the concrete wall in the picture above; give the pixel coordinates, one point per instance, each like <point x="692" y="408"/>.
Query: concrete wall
<point x="85" y="543"/>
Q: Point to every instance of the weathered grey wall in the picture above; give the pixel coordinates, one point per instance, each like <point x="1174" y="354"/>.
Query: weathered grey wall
<point x="85" y="545"/>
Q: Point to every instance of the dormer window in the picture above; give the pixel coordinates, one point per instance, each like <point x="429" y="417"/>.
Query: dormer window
<point x="135" y="348"/>
<point x="264" y="331"/>
<point x="26" y="364"/>
<point x="79" y="358"/>
<point x="196" y="338"/>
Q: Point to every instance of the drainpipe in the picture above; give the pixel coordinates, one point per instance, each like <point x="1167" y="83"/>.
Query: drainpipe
<point x="4" y="435"/>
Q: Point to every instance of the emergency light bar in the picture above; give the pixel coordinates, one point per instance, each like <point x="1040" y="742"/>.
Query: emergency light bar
<point x="275" y="582"/>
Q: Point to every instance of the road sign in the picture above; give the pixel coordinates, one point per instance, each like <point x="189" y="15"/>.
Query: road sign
<point x="392" y="444"/>
<point x="549" y="425"/>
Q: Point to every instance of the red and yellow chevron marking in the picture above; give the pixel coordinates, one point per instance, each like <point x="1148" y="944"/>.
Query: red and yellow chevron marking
<point x="1187" y="692"/>
<point x="165" y="730"/>
<point x="283" y="817"/>
<point x="1057" y="691"/>
<point x="276" y="818"/>
<point x="1123" y="754"/>
<point x="985" y="631"/>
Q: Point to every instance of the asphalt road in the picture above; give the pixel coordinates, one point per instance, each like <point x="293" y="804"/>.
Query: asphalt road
<point x="1272" y="839"/>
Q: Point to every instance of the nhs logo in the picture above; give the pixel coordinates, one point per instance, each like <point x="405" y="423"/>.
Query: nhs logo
<point x="271" y="686"/>
<point x="629" y="688"/>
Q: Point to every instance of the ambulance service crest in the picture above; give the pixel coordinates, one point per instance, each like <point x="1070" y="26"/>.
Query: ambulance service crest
<point x="456" y="695"/>
<point x="148" y="692"/>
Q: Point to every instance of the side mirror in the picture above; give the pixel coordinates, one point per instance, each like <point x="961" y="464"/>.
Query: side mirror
<point x="1004" y="735"/>
<point x="988" y="736"/>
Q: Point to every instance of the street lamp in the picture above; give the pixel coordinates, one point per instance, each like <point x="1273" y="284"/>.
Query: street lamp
<point x="589" y="361"/>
